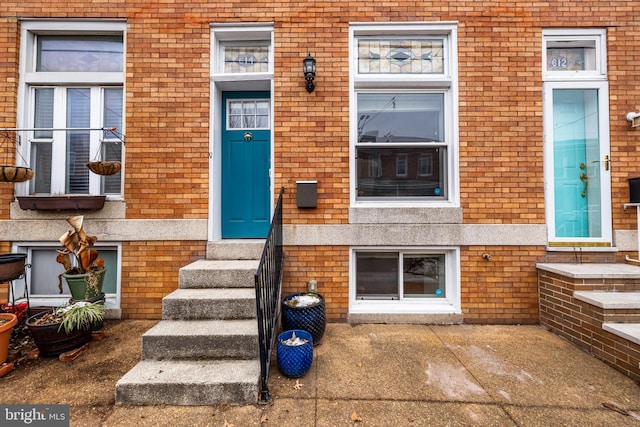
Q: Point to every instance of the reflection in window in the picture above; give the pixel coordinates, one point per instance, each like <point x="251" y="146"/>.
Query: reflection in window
<point x="399" y="275"/>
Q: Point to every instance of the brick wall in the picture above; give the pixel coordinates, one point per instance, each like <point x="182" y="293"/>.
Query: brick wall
<point x="329" y="266"/>
<point x="150" y="271"/>
<point x="581" y="323"/>
<point x="500" y="127"/>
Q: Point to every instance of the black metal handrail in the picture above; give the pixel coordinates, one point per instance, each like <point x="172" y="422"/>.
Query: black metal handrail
<point x="268" y="280"/>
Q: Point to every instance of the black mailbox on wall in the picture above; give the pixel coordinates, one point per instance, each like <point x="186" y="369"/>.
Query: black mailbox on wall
<point x="307" y="194"/>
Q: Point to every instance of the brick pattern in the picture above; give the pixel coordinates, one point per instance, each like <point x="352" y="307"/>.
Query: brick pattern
<point x="503" y="290"/>
<point x="9" y="46"/>
<point x="581" y="323"/>
<point x="150" y="272"/>
<point x="500" y="126"/>
<point x="329" y="266"/>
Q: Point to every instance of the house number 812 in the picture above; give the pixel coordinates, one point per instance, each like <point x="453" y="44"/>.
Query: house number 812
<point x="559" y="62"/>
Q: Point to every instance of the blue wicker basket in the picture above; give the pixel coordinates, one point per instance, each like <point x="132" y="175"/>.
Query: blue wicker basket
<point x="311" y="318"/>
<point x="294" y="361"/>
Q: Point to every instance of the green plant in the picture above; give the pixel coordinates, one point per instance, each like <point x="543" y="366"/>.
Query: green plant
<point x="79" y="315"/>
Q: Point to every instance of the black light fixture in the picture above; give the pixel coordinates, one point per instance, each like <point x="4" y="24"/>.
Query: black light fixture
<point x="309" y="70"/>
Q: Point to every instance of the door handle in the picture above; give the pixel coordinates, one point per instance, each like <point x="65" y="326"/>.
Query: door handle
<point x="606" y="162"/>
<point x="584" y="178"/>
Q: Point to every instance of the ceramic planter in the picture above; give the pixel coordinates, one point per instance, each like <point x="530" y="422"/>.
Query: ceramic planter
<point x="5" y="334"/>
<point x="311" y="318"/>
<point x="77" y="284"/>
<point x="294" y="360"/>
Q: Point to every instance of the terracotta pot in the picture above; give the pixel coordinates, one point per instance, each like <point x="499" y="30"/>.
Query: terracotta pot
<point x="5" y="334"/>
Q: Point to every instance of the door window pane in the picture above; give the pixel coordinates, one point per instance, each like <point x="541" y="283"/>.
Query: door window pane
<point x="576" y="151"/>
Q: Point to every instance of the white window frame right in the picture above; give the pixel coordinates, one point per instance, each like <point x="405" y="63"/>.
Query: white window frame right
<point x="445" y="83"/>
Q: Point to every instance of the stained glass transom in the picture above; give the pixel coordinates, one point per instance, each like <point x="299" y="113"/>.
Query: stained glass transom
<point x="246" y="59"/>
<point x="401" y="56"/>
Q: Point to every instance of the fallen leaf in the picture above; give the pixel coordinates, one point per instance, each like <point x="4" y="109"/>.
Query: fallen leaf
<point x="264" y="419"/>
<point x="359" y="364"/>
<point x="298" y="385"/>
<point x="355" y="417"/>
<point x="615" y="407"/>
<point x="227" y="424"/>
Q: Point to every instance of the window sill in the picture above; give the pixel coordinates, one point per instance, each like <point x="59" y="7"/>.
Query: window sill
<point x="405" y="215"/>
<point x="61" y="203"/>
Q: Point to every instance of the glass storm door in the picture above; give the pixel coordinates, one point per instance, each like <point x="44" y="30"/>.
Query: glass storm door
<point x="246" y="156"/>
<point x="577" y="142"/>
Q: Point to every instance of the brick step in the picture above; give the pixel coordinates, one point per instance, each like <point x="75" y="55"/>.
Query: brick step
<point x="218" y="274"/>
<point x="610" y="300"/>
<point x="201" y="339"/>
<point x="629" y="331"/>
<point x="194" y="304"/>
<point x="183" y="382"/>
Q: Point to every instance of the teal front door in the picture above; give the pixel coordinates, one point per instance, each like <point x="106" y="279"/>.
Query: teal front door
<point x="579" y="213"/>
<point x="246" y="164"/>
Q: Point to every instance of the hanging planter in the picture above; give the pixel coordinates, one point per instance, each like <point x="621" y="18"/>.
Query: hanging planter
<point x="99" y="165"/>
<point x="104" y="168"/>
<point x="13" y="173"/>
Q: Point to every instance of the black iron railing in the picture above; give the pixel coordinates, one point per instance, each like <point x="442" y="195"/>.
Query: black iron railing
<point x="268" y="280"/>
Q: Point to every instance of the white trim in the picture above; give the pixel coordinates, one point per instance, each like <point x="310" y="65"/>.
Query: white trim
<point x="576" y="34"/>
<point x="451" y="303"/>
<point x="112" y="300"/>
<point x="605" y="196"/>
<point x="233" y="82"/>
<point x="447" y="83"/>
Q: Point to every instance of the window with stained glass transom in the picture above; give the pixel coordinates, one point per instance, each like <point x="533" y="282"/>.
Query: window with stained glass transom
<point x="401" y="56"/>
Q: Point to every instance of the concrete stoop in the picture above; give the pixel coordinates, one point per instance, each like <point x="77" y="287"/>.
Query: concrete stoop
<point x="205" y="349"/>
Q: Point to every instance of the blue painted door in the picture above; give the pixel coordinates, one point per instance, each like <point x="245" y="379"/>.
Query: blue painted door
<point x="576" y="152"/>
<point x="246" y="157"/>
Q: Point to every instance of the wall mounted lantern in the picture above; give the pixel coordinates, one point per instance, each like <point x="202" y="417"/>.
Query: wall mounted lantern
<point x="309" y="70"/>
<point x="634" y="118"/>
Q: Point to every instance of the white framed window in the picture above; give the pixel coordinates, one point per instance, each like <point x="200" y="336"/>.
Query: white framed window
<point x="577" y="142"/>
<point x="248" y="114"/>
<point x="242" y="50"/>
<point x="404" y="110"/>
<point x="42" y="276"/>
<point x="72" y="80"/>
<point x="405" y="280"/>
<point x="574" y="54"/>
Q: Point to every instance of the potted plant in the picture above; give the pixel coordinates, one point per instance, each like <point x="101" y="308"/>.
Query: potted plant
<point x="294" y="352"/>
<point x="66" y="327"/>
<point x="306" y="311"/>
<point x="7" y="322"/>
<point x="84" y="269"/>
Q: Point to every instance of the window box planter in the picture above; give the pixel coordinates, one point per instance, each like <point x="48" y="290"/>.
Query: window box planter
<point x="61" y="203"/>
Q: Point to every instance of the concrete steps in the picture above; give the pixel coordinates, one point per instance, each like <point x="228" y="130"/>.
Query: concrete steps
<point x="205" y="349"/>
<point x="190" y="382"/>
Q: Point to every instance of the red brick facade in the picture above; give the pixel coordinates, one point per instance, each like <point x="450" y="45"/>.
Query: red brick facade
<point x="168" y="107"/>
